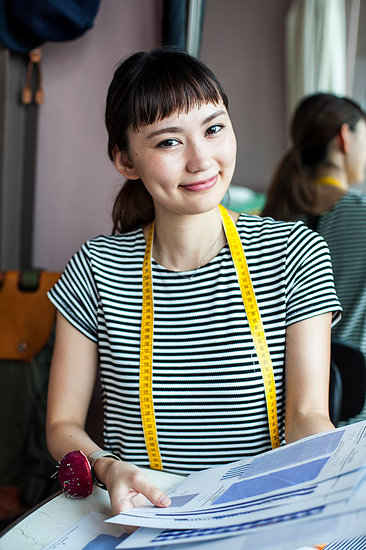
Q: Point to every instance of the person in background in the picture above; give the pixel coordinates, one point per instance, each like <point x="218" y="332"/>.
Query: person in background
<point x="314" y="182"/>
<point x="158" y="304"/>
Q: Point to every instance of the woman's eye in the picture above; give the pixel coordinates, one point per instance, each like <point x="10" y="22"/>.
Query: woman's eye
<point x="214" y="129"/>
<point x="167" y="143"/>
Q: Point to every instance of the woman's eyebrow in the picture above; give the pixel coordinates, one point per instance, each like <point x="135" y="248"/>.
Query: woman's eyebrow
<point x="213" y="116"/>
<point x="174" y="129"/>
<point x="179" y="129"/>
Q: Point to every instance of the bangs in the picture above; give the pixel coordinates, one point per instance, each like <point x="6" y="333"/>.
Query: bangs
<point x="162" y="91"/>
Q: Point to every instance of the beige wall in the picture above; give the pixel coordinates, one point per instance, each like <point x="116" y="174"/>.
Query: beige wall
<point x="75" y="181"/>
<point x="243" y="42"/>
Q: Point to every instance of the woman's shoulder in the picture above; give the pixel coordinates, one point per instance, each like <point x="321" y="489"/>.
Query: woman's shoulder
<point x="354" y="198"/>
<point x="120" y="241"/>
<point x="349" y="211"/>
<point x="267" y="224"/>
<point x="258" y="232"/>
<point x="111" y="248"/>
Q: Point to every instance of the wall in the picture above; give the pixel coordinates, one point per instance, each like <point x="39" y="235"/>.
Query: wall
<point x="243" y="42"/>
<point x="359" y="84"/>
<point x="359" y="80"/>
<point x="76" y="183"/>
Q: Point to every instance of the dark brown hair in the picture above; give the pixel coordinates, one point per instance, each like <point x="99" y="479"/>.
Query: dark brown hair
<point x="316" y="121"/>
<point x="147" y="87"/>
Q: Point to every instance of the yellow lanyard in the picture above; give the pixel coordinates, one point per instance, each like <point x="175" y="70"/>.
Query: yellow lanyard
<point x="330" y="181"/>
<point x="147" y="335"/>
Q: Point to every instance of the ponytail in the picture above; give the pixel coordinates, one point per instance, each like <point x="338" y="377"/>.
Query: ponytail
<point x="133" y="207"/>
<point x="290" y="194"/>
<point x="315" y="122"/>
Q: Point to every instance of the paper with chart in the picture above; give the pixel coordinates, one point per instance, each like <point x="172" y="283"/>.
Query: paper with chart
<point x="324" y="467"/>
<point x="313" y="478"/>
<point x="276" y="537"/>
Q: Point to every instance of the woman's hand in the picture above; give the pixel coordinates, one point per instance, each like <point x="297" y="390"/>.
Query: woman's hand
<point x="127" y="485"/>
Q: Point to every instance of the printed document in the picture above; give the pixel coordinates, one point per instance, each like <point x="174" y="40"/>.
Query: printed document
<point x="314" y="486"/>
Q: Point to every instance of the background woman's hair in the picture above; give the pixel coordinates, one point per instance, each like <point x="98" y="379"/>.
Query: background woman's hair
<point x="148" y="87"/>
<point x="316" y="121"/>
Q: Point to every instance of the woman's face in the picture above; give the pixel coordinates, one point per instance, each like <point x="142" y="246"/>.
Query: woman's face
<point x="186" y="161"/>
<point x="356" y="157"/>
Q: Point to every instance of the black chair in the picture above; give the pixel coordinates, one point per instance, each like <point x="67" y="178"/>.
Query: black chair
<point x="347" y="388"/>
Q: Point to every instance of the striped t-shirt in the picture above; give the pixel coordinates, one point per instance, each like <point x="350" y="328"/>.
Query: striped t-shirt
<point x="207" y="386"/>
<point x="344" y="230"/>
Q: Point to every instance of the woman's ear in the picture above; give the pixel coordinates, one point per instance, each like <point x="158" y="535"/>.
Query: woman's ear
<point x="124" y="165"/>
<point x="344" y="138"/>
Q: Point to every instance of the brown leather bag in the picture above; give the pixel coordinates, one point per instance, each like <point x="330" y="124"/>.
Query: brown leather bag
<point x="26" y="314"/>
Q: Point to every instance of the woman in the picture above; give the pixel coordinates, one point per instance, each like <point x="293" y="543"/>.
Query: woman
<point x="158" y="304"/>
<point x="313" y="182"/>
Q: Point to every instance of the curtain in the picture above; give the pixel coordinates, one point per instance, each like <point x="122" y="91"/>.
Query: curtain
<point x="194" y="27"/>
<point x="316" y="49"/>
<point x="352" y="35"/>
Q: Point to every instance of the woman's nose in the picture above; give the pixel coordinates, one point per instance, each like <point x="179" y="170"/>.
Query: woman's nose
<point x="198" y="160"/>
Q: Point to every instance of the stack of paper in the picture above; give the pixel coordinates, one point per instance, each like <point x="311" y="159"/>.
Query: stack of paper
<point x="309" y="492"/>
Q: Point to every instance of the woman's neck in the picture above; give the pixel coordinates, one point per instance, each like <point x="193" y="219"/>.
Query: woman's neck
<point x="330" y="186"/>
<point x="332" y="182"/>
<point x="184" y="243"/>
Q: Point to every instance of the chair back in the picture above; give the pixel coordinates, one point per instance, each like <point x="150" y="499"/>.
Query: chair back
<point x="347" y="381"/>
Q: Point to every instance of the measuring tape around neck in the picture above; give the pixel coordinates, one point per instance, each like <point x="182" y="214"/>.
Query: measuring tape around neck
<point x="147" y="337"/>
<point x="332" y="182"/>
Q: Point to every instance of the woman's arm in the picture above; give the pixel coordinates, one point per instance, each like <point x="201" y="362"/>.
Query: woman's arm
<point x="72" y="378"/>
<point x="307" y="377"/>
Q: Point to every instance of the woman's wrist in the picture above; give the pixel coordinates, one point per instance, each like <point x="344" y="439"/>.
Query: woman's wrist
<point x="100" y="461"/>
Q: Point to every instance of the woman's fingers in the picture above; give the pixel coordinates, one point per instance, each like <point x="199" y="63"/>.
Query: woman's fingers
<point x="131" y="488"/>
<point x="150" y="491"/>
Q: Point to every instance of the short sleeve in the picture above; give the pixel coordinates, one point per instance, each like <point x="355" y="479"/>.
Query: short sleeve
<point x="75" y="294"/>
<point x="310" y="287"/>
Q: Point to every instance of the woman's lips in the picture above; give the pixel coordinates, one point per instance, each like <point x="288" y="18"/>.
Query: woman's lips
<point x="201" y="185"/>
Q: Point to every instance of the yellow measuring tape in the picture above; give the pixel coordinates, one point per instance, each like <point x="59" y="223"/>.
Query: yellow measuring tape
<point x="255" y="322"/>
<point x="147" y="336"/>
<point x="330" y="181"/>
<point x="146" y="356"/>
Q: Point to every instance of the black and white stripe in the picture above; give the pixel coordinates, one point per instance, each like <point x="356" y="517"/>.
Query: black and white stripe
<point x="207" y="386"/>
<point x="358" y="543"/>
<point x="344" y="230"/>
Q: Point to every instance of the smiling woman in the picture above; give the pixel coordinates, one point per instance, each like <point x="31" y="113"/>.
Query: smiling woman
<point x="198" y="317"/>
